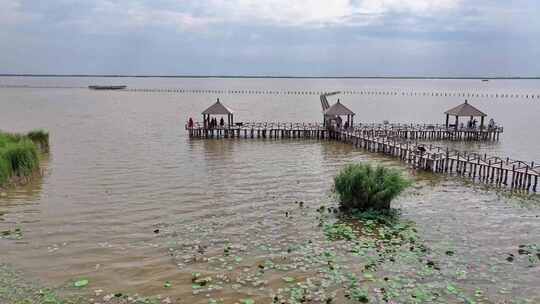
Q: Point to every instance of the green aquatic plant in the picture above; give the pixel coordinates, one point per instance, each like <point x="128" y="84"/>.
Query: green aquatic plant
<point x="19" y="154"/>
<point x="17" y="159"/>
<point x="81" y="283"/>
<point x="364" y="187"/>
<point x="339" y="231"/>
<point x="40" y="138"/>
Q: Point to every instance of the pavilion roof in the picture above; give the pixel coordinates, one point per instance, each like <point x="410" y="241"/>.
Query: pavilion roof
<point x="338" y="109"/>
<point x="465" y="109"/>
<point x="217" y="109"/>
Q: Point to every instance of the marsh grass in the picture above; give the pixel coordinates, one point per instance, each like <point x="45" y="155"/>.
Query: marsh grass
<point x="40" y="138"/>
<point x="364" y="187"/>
<point x="19" y="156"/>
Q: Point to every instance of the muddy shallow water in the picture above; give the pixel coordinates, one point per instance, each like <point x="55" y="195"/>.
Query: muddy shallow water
<point x="130" y="203"/>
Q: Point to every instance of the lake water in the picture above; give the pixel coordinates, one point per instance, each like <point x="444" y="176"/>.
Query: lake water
<point x="121" y="167"/>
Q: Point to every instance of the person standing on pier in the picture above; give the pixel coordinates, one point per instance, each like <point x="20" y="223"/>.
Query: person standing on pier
<point x="221" y="122"/>
<point x="491" y="124"/>
<point x="190" y="123"/>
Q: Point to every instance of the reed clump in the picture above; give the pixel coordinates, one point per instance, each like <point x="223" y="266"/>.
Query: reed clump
<point x="362" y="187"/>
<point x="19" y="154"/>
<point x="40" y="138"/>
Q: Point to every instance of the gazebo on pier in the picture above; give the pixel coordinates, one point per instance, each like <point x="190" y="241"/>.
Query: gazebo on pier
<point x="335" y="112"/>
<point x="218" y="109"/>
<point x="464" y="110"/>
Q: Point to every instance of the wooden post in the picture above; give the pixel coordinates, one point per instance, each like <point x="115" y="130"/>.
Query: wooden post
<point x="513" y="175"/>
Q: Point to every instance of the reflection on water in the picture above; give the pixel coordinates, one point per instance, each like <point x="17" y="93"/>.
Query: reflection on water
<point x="25" y="195"/>
<point x="122" y="168"/>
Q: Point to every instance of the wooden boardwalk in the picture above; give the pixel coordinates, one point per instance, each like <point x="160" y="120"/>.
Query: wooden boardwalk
<point x="508" y="172"/>
<point x="429" y="132"/>
<point x="400" y="141"/>
<point x="317" y="130"/>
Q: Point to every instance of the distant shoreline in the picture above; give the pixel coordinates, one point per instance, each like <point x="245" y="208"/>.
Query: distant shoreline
<point x="268" y="77"/>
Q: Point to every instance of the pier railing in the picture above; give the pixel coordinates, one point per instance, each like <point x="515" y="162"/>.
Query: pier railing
<point x="515" y="174"/>
<point x="408" y="131"/>
<point x="408" y="142"/>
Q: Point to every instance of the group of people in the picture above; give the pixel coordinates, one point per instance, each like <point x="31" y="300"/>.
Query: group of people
<point x="213" y="123"/>
<point x="338" y="123"/>
<point x="472" y="124"/>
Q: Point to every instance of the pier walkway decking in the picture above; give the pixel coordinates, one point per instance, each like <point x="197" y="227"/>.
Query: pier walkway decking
<point x="400" y="141"/>
<point x="317" y="130"/>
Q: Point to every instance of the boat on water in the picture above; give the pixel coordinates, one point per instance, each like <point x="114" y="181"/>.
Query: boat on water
<point x="110" y="87"/>
<point x="485" y="80"/>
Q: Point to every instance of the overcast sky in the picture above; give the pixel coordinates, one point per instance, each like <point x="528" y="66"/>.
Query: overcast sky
<point x="273" y="37"/>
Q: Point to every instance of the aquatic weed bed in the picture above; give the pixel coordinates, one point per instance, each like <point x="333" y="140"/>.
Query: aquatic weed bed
<point x="302" y="254"/>
<point x="19" y="156"/>
<point x="15" y="288"/>
<point x="344" y="259"/>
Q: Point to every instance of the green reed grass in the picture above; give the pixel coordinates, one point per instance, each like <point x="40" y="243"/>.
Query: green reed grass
<point x="366" y="187"/>
<point x="19" y="154"/>
<point x="41" y="138"/>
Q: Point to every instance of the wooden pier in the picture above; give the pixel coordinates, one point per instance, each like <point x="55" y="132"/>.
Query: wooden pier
<point x="515" y="174"/>
<point x="430" y="132"/>
<point x="318" y="130"/>
<point x="399" y="141"/>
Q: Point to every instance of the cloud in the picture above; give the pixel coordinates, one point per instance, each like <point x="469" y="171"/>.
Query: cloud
<point x="272" y="36"/>
<point x="317" y="12"/>
<point x="11" y="13"/>
<point x="116" y="16"/>
<point x="194" y="15"/>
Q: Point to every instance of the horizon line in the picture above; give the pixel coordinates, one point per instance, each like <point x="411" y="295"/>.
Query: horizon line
<point x="272" y="76"/>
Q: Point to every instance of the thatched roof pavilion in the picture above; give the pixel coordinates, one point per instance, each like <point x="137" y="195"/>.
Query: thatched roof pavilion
<point x="336" y="111"/>
<point x="464" y="110"/>
<point x="218" y="109"/>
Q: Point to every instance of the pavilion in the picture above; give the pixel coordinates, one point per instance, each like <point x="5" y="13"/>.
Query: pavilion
<point x="465" y="110"/>
<point x="218" y="109"/>
<point x="336" y="111"/>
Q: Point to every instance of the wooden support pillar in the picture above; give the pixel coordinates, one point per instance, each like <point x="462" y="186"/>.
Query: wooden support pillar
<point x="447" y="120"/>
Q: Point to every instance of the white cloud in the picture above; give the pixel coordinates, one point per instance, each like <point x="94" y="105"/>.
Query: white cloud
<point x="418" y="7"/>
<point x="111" y="16"/>
<point x="280" y="12"/>
<point x="198" y="14"/>
<point x="11" y="14"/>
<point x="317" y="12"/>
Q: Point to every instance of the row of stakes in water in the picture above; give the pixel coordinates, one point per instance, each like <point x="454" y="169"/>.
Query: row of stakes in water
<point x="379" y="93"/>
<point x="345" y="92"/>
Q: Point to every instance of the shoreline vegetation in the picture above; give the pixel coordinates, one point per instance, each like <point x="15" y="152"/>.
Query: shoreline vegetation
<point x="20" y="156"/>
